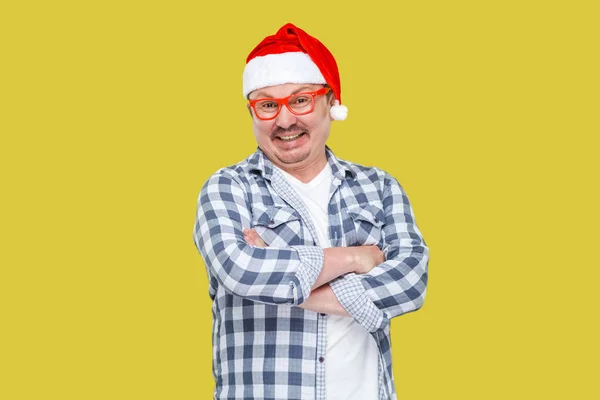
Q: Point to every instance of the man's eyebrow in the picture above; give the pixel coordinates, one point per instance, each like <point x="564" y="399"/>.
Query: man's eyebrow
<point x="262" y="94"/>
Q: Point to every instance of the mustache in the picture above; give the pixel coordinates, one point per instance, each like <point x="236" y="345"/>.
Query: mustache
<point x="296" y="128"/>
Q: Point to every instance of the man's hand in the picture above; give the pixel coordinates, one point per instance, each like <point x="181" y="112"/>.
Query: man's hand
<point x="253" y="239"/>
<point x="365" y="258"/>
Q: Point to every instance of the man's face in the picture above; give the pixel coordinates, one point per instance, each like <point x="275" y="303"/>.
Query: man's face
<point x="293" y="142"/>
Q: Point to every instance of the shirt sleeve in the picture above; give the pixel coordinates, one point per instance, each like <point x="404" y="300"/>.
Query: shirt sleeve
<point x="266" y="275"/>
<point x="398" y="285"/>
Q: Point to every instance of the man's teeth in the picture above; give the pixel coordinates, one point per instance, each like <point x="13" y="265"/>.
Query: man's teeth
<point x="287" y="138"/>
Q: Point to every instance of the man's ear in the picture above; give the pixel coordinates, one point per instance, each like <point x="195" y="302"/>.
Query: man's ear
<point x="330" y="98"/>
<point x="331" y="103"/>
<point x="249" y="109"/>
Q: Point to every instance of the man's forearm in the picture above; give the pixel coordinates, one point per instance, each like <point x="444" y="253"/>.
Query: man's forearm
<point x="343" y="260"/>
<point x="323" y="300"/>
<point x="338" y="261"/>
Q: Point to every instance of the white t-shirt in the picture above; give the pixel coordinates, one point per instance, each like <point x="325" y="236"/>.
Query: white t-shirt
<point x="351" y="361"/>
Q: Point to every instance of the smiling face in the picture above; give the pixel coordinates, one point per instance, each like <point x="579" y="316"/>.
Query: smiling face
<point x="294" y="143"/>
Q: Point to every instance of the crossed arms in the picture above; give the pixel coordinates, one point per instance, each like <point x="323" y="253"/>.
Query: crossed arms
<point x="337" y="261"/>
<point x="361" y="281"/>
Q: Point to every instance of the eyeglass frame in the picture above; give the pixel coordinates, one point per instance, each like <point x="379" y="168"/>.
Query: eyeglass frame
<point x="285" y="101"/>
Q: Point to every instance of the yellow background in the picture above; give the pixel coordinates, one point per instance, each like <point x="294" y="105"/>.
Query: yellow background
<point x="114" y="113"/>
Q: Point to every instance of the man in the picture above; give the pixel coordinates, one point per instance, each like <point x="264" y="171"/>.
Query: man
<point x="308" y="256"/>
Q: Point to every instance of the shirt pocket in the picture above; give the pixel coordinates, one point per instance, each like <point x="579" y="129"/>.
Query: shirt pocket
<point x="366" y="225"/>
<point x="278" y="226"/>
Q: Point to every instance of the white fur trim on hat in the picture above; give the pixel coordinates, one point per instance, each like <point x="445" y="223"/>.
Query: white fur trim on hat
<point x="278" y="69"/>
<point x="338" y="112"/>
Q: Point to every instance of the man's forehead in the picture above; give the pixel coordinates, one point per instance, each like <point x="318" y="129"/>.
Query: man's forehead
<point x="283" y="90"/>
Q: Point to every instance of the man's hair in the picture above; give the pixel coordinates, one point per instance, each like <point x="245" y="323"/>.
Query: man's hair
<point x="329" y="94"/>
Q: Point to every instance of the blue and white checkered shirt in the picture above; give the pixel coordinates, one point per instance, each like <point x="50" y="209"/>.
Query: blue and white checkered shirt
<point x="264" y="346"/>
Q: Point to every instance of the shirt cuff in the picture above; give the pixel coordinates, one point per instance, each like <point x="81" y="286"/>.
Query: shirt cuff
<point x="351" y="293"/>
<point x="311" y="264"/>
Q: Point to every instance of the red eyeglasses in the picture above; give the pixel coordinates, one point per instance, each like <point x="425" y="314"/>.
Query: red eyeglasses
<point x="298" y="104"/>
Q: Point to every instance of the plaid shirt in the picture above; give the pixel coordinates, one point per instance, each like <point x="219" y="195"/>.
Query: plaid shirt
<point x="264" y="347"/>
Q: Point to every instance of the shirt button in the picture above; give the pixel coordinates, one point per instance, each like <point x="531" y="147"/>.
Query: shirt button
<point x="321" y="359"/>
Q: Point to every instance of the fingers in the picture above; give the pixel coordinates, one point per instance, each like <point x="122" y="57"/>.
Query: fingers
<point x="379" y="257"/>
<point x="247" y="237"/>
<point x="253" y="239"/>
<point x="258" y="242"/>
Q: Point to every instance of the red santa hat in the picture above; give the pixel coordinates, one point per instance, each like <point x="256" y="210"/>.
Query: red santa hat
<point x="293" y="56"/>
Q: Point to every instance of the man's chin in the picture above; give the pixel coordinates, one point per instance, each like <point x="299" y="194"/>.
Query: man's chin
<point x="292" y="158"/>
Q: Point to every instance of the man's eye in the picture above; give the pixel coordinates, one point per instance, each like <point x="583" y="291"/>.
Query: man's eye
<point x="301" y="100"/>
<point x="268" y="105"/>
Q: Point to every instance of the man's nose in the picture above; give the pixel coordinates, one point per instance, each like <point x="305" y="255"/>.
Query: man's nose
<point x="285" y="119"/>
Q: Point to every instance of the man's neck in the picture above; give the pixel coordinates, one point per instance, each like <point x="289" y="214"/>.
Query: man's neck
<point x="307" y="172"/>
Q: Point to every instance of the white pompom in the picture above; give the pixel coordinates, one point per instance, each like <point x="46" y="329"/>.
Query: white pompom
<point x="338" y="112"/>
